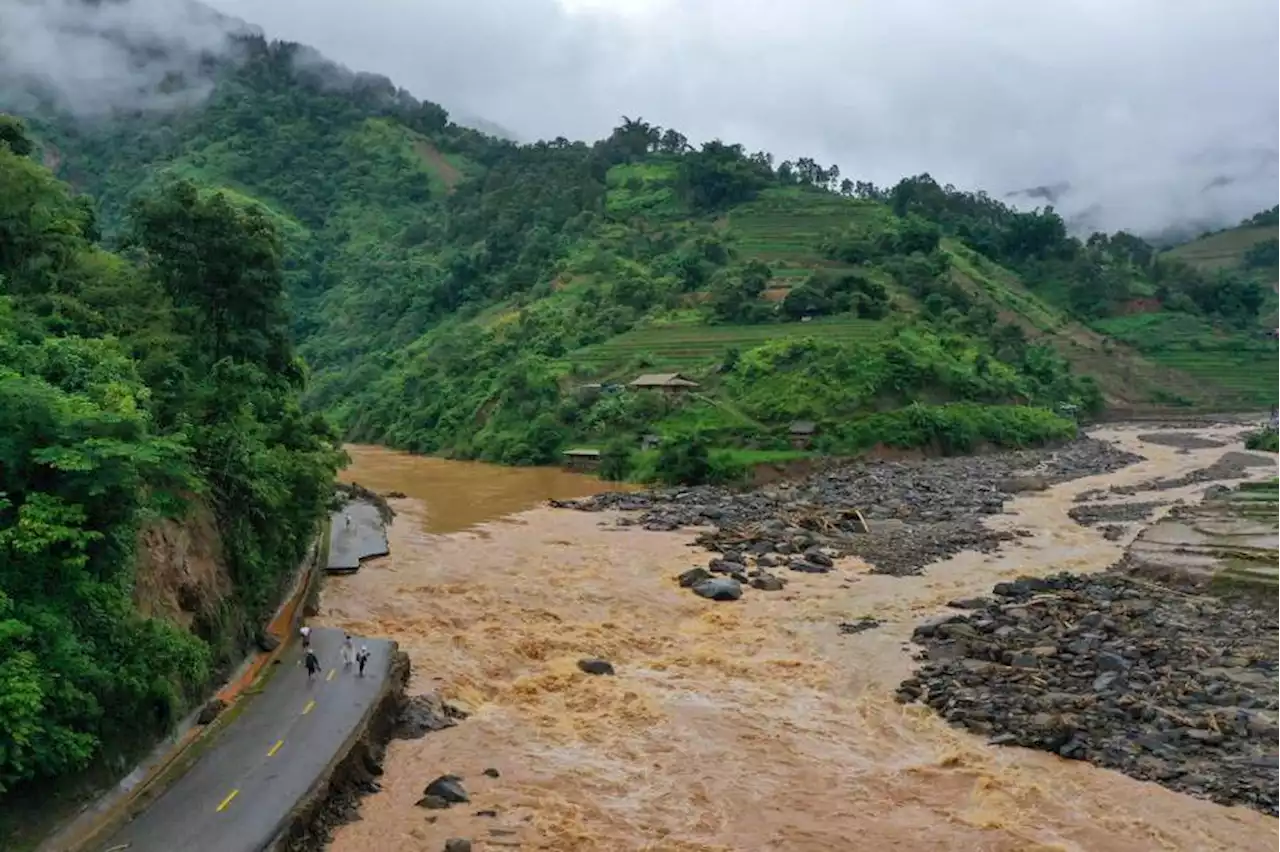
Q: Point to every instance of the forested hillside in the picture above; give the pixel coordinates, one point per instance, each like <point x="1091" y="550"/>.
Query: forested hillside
<point x="1238" y="355"/>
<point x="141" y="391"/>
<point x="455" y="293"/>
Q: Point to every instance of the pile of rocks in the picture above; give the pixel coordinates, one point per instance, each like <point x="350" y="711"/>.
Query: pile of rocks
<point x="1164" y="686"/>
<point x="898" y="516"/>
<point x="1181" y="440"/>
<point x="1090" y="514"/>
<point x="737" y="570"/>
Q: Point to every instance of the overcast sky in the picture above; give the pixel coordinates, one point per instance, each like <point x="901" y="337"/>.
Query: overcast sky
<point x="1139" y="104"/>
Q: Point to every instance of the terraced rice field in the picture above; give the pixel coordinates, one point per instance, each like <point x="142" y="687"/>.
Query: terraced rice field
<point x="1224" y="250"/>
<point x="785" y="227"/>
<point x="682" y="346"/>
<point x="1244" y="376"/>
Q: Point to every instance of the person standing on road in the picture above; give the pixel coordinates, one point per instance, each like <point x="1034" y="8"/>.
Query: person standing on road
<point x="362" y="658"/>
<point x="348" y="652"/>
<point x="313" y="664"/>
<point x="306" y="636"/>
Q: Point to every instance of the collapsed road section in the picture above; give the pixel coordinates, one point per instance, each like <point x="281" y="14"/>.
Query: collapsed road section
<point x="358" y="529"/>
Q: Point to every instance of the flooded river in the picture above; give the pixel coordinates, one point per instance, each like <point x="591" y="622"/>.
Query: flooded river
<point x="754" y="725"/>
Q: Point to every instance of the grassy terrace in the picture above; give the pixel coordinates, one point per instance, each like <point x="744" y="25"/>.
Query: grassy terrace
<point x="682" y="345"/>
<point x="1247" y="377"/>
<point x="784" y="228"/>
<point x="1225" y="249"/>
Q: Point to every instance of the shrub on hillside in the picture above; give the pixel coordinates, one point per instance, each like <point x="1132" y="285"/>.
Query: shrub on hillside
<point x="824" y="293"/>
<point x="615" y="461"/>
<point x="1264" y="254"/>
<point x="952" y="429"/>
<point x="683" y="460"/>
<point x="735" y="293"/>
<point x="689" y="460"/>
<point x="864" y="243"/>
<point x="1263" y="439"/>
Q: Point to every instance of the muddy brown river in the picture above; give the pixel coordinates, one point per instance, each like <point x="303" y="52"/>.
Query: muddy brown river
<point x="754" y="725"/>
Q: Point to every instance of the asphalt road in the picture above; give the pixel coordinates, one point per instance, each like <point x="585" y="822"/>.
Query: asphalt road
<point x="356" y="533"/>
<point x="239" y="793"/>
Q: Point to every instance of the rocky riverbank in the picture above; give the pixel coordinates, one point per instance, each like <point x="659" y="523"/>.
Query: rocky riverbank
<point x="1167" y="687"/>
<point x="899" y="516"/>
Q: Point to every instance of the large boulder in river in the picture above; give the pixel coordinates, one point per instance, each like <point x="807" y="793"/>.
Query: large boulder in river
<point x="767" y="582"/>
<point x="595" y="666"/>
<point x="447" y="788"/>
<point x="718" y="589"/>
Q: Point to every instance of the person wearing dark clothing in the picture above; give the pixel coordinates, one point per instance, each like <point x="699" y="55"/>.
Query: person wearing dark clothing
<point x="313" y="664"/>
<point x="362" y="658"/>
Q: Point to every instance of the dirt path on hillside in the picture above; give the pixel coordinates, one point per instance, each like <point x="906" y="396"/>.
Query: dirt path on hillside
<point x="448" y="173"/>
<point x="753" y="725"/>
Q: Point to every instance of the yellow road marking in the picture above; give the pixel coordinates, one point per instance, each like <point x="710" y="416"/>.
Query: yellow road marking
<point x="227" y="800"/>
<point x="331" y="673"/>
<point x="275" y="748"/>
<point x="310" y="706"/>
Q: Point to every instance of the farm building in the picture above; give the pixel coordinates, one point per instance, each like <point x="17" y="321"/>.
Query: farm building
<point x="666" y="382"/>
<point x="802" y="432"/>
<point x="582" y="459"/>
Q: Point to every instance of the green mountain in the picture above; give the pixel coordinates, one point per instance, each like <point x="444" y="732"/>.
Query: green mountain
<point x="457" y="293"/>
<point x="1234" y="360"/>
<point x="170" y="248"/>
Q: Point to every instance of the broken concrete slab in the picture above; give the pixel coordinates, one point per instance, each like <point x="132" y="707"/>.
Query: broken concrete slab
<point x="357" y="533"/>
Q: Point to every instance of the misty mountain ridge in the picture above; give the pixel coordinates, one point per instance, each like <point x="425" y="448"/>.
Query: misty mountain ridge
<point x="156" y="55"/>
<point x="1213" y="181"/>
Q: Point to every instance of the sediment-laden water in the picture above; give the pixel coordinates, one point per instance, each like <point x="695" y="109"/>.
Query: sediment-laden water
<point x="752" y="725"/>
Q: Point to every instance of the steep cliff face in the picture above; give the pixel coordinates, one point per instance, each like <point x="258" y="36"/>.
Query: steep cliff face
<point x="182" y="571"/>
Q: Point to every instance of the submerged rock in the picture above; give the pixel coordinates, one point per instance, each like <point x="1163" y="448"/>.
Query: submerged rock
<point x="433" y="803"/>
<point x="692" y="577"/>
<point x="447" y="787"/>
<point x="595" y="666"/>
<point x="718" y="589"/>
<point x="768" y="583"/>
<point x="423" y="714"/>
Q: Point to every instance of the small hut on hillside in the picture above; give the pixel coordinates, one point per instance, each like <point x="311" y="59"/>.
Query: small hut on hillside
<point x="802" y="432"/>
<point x="670" y="383"/>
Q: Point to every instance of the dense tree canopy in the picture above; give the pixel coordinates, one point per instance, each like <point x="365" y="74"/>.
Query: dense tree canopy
<point x="130" y="392"/>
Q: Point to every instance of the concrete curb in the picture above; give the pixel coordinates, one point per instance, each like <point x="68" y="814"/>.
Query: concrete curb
<point x="126" y="800"/>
